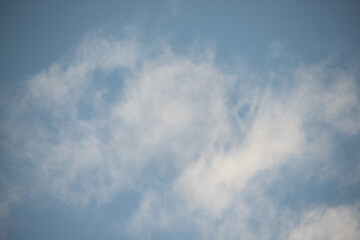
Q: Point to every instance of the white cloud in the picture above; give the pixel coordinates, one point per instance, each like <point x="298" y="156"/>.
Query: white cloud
<point x="280" y="131"/>
<point x="211" y="131"/>
<point x="328" y="223"/>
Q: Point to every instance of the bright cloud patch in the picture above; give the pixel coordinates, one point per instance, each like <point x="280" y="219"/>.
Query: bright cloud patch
<point x="201" y="145"/>
<point x="332" y="223"/>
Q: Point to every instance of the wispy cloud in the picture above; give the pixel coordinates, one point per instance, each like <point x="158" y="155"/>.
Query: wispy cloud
<point x="332" y="223"/>
<point x="200" y="143"/>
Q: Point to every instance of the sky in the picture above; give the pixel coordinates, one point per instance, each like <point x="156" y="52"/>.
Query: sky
<point x="180" y="120"/>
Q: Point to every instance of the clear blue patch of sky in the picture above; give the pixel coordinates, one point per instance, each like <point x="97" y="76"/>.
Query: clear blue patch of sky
<point x="43" y="218"/>
<point x="108" y="85"/>
<point x="35" y="34"/>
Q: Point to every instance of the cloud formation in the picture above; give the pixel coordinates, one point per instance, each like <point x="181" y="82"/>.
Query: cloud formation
<point x="200" y="144"/>
<point x="332" y="223"/>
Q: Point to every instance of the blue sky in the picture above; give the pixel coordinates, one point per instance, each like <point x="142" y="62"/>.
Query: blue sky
<point x="180" y="120"/>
